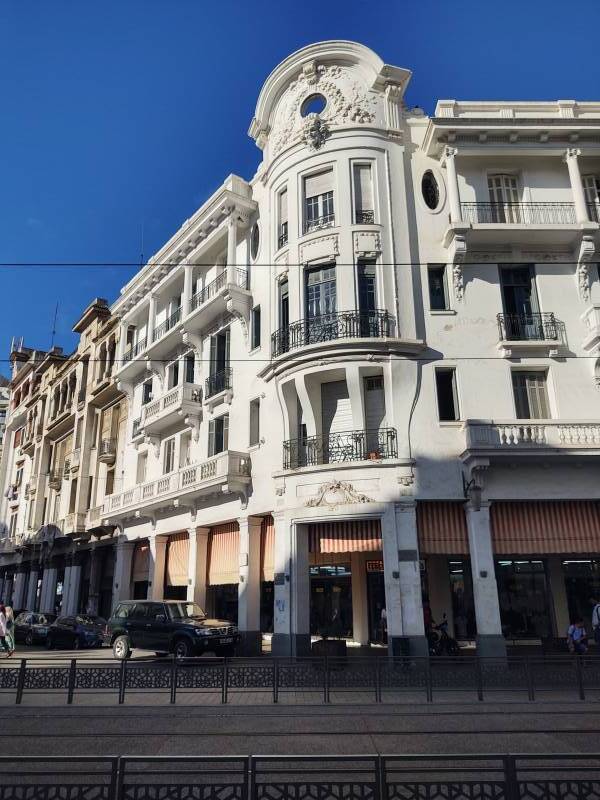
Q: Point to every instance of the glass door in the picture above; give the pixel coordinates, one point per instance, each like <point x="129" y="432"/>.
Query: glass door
<point x="504" y="198"/>
<point x="321" y="304"/>
<point x="520" y="303"/>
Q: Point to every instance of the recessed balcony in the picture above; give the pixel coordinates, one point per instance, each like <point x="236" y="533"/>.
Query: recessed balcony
<point x="174" y="406"/>
<point x="227" y="292"/>
<point x="55" y="480"/>
<point x="227" y="472"/>
<point x="536" y="333"/>
<point x="107" y="451"/>
<point x="340" y="447"/>
<point x="219" y="387"/>
<point x="72" y="523"/>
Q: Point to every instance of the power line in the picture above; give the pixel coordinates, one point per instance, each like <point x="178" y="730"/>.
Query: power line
<point x="123" y="264"/>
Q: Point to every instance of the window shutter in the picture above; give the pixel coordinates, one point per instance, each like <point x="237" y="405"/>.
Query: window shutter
<point x="363" y="187"/>
<point x="226" y="432"/>
<point x="213" y="354"/>
<point x="537" y="396"/>
<point x="211" y="437"/>
<point x="520" y="392"/>
<point x="227" y="342"/>
<point x="283" y="207"/>
<point x="318" y="184"/>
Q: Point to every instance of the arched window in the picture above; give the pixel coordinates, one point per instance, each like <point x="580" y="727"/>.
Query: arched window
<point x="314" y="104"/>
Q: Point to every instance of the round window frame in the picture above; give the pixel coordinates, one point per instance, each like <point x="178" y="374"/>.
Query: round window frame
<point x="442" y="193"/>
<point x="255" y="227"/>
<point x="308" y="99"/>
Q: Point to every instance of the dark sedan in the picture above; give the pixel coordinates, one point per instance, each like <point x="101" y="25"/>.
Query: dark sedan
<point x="32" y="627"/>
<point x="73" y="633"/>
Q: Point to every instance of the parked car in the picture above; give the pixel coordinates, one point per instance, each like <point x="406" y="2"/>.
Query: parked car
<point x="31" y="627"/>
<point x="73" y="633"/>
<point x="169" y="626"/>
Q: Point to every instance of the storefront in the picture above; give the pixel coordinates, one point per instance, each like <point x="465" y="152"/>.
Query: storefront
<point x="267" y="570"/>
<point x="582" y="586"/>
<point x="223" y="571"/>
<point x="139" y="570"/>
<point x="176" y="568"/>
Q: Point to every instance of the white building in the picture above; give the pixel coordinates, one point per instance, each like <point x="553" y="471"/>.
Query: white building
<point x="367" y="377"/>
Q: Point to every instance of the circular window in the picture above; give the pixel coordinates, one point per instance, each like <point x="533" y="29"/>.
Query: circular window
<point x="313" y="105"/>
<point x="431" y="190"/>
<point x="254" y="240"/>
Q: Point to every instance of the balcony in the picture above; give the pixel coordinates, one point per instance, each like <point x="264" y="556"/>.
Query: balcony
<point x="365" y="217"/>
<point x="94" y="517"/>
<point x="178" y="403"/>
<point x="219" y="387"/>
<point x="227" y="292"/>
<point x="75" y="460"/>
<point x="166" y="326"/>
<point x="55" y="480"/>
<point x="318" y="223"/>
<point x="331" y="327"/>
<point x="518" y="213"/>
<point x="107" y="451"/>
<point x="539" y="333"/>
<point x="72" y="523"/>
<point x="227" y="472"/>
<point x="137" y="429"/>
<point x="135" y="351"/>
<point x="283" y="235"/>
<point x="516" y="441"/>
<point x="347" y="446"/>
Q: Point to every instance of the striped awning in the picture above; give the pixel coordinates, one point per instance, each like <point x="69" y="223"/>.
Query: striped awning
<point x="350" y="536"/>
<point x="442" y="528"/>
<point x="224" y="555"/>
<point x="267" y="549"/>
<point x="178" y="548"/>
<point x="544" y="527"/>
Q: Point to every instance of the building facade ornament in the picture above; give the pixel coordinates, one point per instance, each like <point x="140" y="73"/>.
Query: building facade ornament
<point x="337" y="493"/>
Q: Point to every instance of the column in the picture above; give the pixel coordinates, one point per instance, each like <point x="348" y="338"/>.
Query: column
<point x="156" y="567"/>
<point x="66" y="589"/>
<point x="187" y="289"/>
<point x="410" y="579"/>
<point x="71" y="600"/>
<point x="231" y="247"/>
<point x="452" y="181"/>
<point x="281" y="641"/>
<point x="197" y="565"/>
<point x="558" y="591"/>
<point x="122" y="343"/>
<point x="151" y="318"/>
<point x="300" y="591"/>
<point x="18" y="598"/>
<point x="360" y="616"/>
<point x="31" y="598"/>
<point x="49" y="589"/>
<point x="490" y="641"/>
<point x="391" y="578"/>
<point x="571" y="159"/>
<point x="249" y="586"/>
<point x="95" y="576"/>
<point x="122" y="574"/>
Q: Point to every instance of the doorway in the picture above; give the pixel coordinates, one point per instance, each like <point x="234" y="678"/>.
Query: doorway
<point x="376" y="602"/>
<point x="331" y="601"/>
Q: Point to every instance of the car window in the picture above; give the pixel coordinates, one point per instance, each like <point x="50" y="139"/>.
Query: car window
<point x="66" y="622"/>
<point x="22" y="619"/>
<point x="124" y="610"/>
<point x="156" y="610"/>
<point x="140" y="611"/>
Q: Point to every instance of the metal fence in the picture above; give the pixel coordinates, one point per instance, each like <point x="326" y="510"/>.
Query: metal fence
<point x="349" y="777"/>
<point x="312" y="680"/>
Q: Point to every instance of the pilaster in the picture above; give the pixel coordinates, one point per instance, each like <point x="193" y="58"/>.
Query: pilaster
<point x="249" y="585"/>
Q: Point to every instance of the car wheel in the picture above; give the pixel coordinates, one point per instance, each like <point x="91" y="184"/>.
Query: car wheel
<point x="121" y="648"/>
<point x="182" y="649"/>
<point x="29" y="639"/>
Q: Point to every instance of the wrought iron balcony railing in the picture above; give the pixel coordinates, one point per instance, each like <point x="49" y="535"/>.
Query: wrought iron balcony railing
<point x="218" y="382"/>
<point x="519" y="213"/>
<point x="283" y="234"/>
<point x="365" y="217"/>
<point x="327" y="328"/>
<point x="134" y="351"/>
<point x="365" y="445"/>
<point x="167" y="325"/>
<point x="215" y="286"/>
<point x="107" y="451"/>
<point x="315" y="224"/>
<point x="137" y="427"/>
<point x="527" y="327"/>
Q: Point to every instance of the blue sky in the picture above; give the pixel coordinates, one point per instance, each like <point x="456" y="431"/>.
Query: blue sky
<point x="123" y="113"/>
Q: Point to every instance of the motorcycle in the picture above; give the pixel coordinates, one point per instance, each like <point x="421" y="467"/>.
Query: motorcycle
<point x="440" y="641"/>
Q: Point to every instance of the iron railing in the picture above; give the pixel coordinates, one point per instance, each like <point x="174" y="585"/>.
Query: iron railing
<point x="357" y="445"/>
<point x="214" y="287"/>
<point x="218" y="382"/>
<point x="381" y="679"/>
<point x="340" y="325"/>
<point x="137" y="427"/>
<point x="519" y="213"/>
<point x="365" y="217"/>
<point x="106" y="448"/>
<point x="167" y="325"/>
<point x="371" y="775"/>
<point x="527" y="327"/>
<point x="315" y="224"/>
<point x="135" y="350"/>
<point x="283" y="234"/>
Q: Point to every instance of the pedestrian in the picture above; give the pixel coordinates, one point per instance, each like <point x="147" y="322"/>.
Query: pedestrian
<point x="577" y="638"/>
<point x="10" y="630"/>
<point x="3" y="642"/>
<point x="596" y="620"/>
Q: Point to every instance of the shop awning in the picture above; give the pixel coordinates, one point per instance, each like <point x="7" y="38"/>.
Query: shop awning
<point x="351" y="536"/>
<point x="442" y="528"/>
<point x="141" y="560"/>
<point x="178" y="547"/>
<point x="224" y="554"/>
<point x="543" y="527"/>
<point x="267" y="549"/>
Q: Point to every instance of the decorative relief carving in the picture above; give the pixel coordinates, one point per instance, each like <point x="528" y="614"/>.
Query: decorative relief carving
<point x="587" y="251"/>
<point x="367" y="243"/>
<point x="321" y="247"/>
<point x="347" y="102"/>
<point x="337" y="493"/>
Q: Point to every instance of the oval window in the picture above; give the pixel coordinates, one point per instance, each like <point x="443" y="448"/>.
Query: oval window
<point x="314" y="104"/>
<point x="254" y="240"/>
<point x="430" y="189"/>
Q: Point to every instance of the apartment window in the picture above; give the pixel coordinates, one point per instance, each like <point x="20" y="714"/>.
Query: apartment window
<point x="321" y="294"/>
<point x="146" y="392"/>
<point x="284" y="303"/>
<point x="73" y="496"/>
<point x="142" y="464"/>
<point x="94" y="428"/>
<point x="504" y="198"/>
<point x="447" y="395"/>
<point x="19" y="477"/>
<point x="110" y="481"/>
<point x="90" y="493"/>
<point x="254" y="421"/>
<point x="363" y="194"/>
<point x="185" y="450"/>
<point x="169" y="456"/>
<point x="173" y="375"/>
<point x="30" y="514"/>
<point x="13" y="525"/>
<point x="367" y="286"/>
<point x="218" y="435"/>
<point x="438" y="289"/>
<point x="531" y="394"/>
<point x="282" y="236"/>
<point x="189" y="368"/>
<point x="591" y="188"/>
<point x="318" y="201"/>
<point x="256" y="327"/>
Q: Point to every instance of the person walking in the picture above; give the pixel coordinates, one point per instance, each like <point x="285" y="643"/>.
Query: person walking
<point x="10" y="630"/>
<point x="3" y="642"/>
<point x="577" y="638"/>
<point x="596" y="620"/>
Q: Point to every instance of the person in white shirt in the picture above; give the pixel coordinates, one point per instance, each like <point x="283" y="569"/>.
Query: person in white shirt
<point x="596" y="620"/>
<point x="577" y="638"/>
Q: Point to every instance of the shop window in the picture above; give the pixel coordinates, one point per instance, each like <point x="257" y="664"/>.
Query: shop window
<point x="582" y="585"/>
<point x="447" y="395"/>
<point x="523" y="597"/>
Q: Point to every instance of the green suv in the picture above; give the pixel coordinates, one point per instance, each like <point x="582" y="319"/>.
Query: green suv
<point x="169" y="626"/>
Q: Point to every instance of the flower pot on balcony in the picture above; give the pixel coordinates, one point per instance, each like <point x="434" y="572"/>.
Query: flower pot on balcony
<point x="374" y="455"/>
